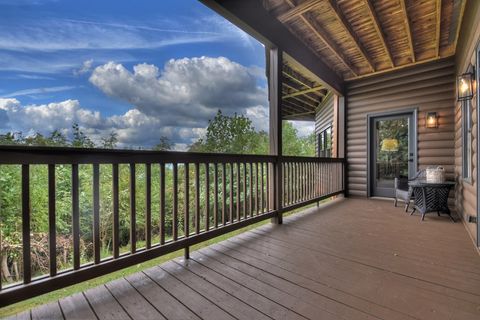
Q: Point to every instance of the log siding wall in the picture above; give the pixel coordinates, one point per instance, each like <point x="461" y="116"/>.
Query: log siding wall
<point x="324" y="118"/>
<point x="430" y="87"/>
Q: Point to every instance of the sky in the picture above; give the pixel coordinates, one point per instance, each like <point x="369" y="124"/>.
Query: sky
<point x="143" y="69"/>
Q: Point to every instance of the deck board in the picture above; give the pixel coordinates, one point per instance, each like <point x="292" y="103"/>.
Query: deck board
<point x="350" y="259"/>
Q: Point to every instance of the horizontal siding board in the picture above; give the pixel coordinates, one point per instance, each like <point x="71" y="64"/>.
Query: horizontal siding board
<point x="428" y="87"/>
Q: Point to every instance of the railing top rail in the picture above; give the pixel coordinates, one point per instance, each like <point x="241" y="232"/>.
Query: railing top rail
<point x="62" y="155"/>
<point x="69" y="155"/>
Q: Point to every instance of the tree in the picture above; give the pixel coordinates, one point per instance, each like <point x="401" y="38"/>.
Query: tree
<point x="111" y="141"/>
<point x="164" y="145"/>
<point x="80" y="139"/>
<point x="231" y="134"/>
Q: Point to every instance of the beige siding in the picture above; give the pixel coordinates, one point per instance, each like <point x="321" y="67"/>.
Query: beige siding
<point x="427" y="87"/>
<point x="324" y="119"/>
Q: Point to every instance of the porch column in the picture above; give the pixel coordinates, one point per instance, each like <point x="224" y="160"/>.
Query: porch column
<point x="275" y="65"/>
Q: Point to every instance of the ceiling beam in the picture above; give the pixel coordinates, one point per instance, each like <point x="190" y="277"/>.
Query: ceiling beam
<point x="343" y="20"/>
<point x="438" y="27"/>
<point x="408" y="28"/>
<point x="253" y="18"/>
<point x="302" y="92"/>
<point x="296" y="11"/>
<point x="379" y="30"/>
<point x="322" y="34"/>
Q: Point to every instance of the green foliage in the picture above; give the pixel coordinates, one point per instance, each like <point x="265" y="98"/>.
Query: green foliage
<point x="164" y="144"/>
<point x="224" y="134"/>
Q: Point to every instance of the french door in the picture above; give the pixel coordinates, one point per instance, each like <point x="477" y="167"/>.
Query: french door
<point x="392" y="151"/>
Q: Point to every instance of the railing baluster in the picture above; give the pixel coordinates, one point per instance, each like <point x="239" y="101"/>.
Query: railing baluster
<point x="207" y="196"/>
<point x="250" y="203"/>
<point x="256" y="189"/>
<point x="215" y="203"/>
<point x="224" y="196"/>
<point x="162" y="203"/>
<point x="186" y="217"/>
<point x="27" y="269"/>
<point x="96" y="213"/>
<point x="262" y="189"/>
<point x="52" y="229"/>
<point x="75" y="217"/>
<point x="245" y="191"/>
<point x="175" y="203"/>
<point x="148" y="205"/>
<point x="267" y="190"/>
<point x="238" y="192"/>
<point x="133" y="209"/>
<point x="116" y="218"/>
<point x="197" y="198"/>
<point x="231" y="213"/>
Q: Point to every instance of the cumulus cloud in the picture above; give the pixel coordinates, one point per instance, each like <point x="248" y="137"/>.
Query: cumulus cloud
<point x="176" y="101"/>
<point x="186" y="91"/>
<point x="85" y="68"/>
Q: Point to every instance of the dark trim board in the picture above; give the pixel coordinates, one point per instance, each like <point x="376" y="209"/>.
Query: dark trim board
<point x="370" y="118"/>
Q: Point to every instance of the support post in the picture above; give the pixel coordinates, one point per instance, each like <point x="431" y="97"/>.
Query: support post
<point x="275" y="65"/>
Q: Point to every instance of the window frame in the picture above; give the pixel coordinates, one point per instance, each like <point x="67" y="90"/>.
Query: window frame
<point x="325" y="145"/>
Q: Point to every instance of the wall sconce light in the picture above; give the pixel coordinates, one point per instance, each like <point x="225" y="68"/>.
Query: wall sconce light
<point x="431" y="120"/>
<point x="465" y="84"/>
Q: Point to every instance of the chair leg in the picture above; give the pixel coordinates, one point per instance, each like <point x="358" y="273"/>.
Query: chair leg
<point x="413" y="211"/>
<point x="395" y="202"/>
<point x="407" y="204"/>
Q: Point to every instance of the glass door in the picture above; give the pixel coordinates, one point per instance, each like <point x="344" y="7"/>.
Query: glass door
<point x="392" y="155"/>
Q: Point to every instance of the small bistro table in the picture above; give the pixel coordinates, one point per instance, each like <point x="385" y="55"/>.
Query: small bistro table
<point x="431" y="197"/>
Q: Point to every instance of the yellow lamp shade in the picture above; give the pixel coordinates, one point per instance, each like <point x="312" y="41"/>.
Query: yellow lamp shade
<point x="389" y="145"/>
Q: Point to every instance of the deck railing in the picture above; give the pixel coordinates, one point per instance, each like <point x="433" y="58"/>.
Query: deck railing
<point x="207" y="195"/>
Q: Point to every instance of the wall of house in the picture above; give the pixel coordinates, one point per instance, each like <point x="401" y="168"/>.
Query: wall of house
<point x="325" y="118"/>
<point x="428" y="87"/>
<point x="466" y="193"/>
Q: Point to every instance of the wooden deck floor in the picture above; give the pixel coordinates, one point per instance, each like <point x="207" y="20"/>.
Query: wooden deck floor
<point x="354" y="259"/>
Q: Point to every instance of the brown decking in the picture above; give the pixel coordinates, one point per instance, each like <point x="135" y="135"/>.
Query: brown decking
<point x="353" y="259"/>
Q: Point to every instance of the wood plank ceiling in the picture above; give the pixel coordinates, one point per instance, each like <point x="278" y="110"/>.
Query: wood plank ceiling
<point x="360" y="38"/>
<point x="301" y="93"/>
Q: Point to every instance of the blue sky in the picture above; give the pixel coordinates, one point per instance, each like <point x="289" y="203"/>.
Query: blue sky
<point x="143" y="69"/>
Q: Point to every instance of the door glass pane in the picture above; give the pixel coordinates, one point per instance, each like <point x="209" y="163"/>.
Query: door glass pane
<point x="391" y="148"/>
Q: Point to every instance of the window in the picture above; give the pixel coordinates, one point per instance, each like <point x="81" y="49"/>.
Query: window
<point x="467" y="140"/>
<point x="325" y="143"/>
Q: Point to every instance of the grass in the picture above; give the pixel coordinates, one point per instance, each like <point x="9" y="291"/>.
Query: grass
<point x="65" y="292"/>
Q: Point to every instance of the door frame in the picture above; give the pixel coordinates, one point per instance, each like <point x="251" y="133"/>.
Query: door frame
<point x="477" y="77"/>
<point x="370" y="119"/>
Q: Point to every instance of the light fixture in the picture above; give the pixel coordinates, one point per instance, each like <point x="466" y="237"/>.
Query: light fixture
<point x="465" y="84"/>
<point x="389" y="145"/>
<point x="431" y="120"/>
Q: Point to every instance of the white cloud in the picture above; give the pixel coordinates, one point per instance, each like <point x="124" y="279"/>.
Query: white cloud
<point x="305" y="128"/>
<point x="33" y="91"/>
<point x="189" y="90"/>
<point x="61" y="34"/>
<point x="176" y="101"/>
<point x="85" y="68"/>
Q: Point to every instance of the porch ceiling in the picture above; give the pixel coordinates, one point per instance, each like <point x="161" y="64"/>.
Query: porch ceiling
<point x="359" y="38"/>
<point x="302" y="93"/>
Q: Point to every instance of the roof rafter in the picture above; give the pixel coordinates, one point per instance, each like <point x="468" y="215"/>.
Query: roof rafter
<point x="438" y="27"/>
<point x="343" y="20"/>
<point x="379" y="30"/>
<point x="322" y="34"/>
<point x="408" y="28"/>
<point x="303" y="92"/>
<point x="296" y="11"/>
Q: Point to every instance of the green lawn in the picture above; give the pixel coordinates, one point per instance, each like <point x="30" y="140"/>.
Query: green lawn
<point x="58" y="294"/>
